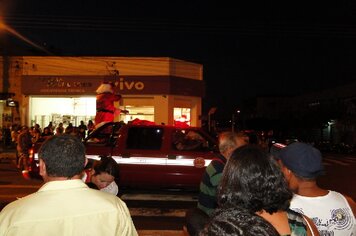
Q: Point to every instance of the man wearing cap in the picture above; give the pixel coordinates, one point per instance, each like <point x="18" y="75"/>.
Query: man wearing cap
<point x="332" y="212"/>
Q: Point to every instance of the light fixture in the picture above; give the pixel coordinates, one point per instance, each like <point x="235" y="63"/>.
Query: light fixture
<point x="11" y="103"/>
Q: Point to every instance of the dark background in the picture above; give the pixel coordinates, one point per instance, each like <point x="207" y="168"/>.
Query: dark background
<point x="247" y="49"/>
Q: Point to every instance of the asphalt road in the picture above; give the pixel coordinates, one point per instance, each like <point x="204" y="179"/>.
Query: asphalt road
<point x="340" y="174"/>
<point x="162" y="212"/>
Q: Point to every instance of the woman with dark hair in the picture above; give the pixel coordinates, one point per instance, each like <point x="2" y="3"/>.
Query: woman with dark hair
<point x="103" y="175"/>
<point x="253" y="180"/>
<point x="237" y="222"/>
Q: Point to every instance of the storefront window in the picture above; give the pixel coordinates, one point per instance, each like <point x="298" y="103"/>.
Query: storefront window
<point x="138" y="112"/>
<point x="65" y="110"/>
<point x="73" y="110"/>
<point x="181" y="116"/>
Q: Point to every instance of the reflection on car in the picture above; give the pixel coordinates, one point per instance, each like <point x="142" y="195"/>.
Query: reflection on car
<point x="189" y="141"/>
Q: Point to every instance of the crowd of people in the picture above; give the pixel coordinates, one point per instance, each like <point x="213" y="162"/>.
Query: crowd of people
<point x="65" y="204"/>
<point x="23" y="137"/>
<point x="248" y="191"/>
<point x="39" y="134"/>
<point x="244" y="191"/>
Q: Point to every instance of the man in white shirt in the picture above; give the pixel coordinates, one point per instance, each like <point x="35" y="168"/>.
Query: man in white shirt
<point x="65" y="205"/>
<point x="332" y="213"/>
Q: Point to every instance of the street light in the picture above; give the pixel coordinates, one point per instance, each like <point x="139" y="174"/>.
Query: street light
<point x="13" y="32"/>
<point x="238" y="111"/>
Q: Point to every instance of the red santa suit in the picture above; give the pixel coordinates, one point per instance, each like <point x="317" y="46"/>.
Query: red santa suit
<point x="105" y="108"/>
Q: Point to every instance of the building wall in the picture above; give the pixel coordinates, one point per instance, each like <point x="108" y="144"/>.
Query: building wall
<point x="10" y="72"/>
<point x="22" y="69"/>
<point x="110" y="65"/>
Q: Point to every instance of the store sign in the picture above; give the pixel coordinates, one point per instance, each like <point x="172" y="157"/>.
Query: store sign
<point x="58" y="84"/>
<point x="87" y="85"/>
<point x="129" y="85"/>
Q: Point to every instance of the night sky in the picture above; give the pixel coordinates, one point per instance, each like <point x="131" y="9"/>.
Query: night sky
<point x="269" y="48"/>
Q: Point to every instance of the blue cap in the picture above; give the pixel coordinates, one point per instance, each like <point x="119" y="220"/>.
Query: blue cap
<point x="302" y="159"/>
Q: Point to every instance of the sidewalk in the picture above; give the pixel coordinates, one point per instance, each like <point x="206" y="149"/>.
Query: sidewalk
<point x="10" y="148"/>
<point x="7" y="153"/>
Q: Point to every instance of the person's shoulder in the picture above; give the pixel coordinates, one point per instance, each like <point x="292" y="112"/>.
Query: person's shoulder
<point x="218" y="161"/>
<point x="113" y="199"/>
<point x="19" y="204"/>
<point x="351" y="203"/>
<point x="102" y="196"/>
<point x="341" y="197"/>
<point x="105" y="202"/>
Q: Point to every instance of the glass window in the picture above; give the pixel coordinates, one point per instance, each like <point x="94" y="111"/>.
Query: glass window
<point x="191" y="140"/>
<point x="62" y="110"/>
<point x="149" y="138"/>
<point x="138" y="112"/>
<point x="181" y="115"/>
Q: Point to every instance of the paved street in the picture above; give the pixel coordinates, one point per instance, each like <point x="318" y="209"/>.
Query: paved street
<point x="340" y="174"/>
<point x="162" y="212"/>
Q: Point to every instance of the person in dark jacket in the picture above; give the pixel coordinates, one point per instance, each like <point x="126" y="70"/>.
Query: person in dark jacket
<point x="196" y="218"/>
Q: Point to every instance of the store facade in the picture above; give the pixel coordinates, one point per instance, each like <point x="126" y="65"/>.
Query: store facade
<point x="62" y="89"/>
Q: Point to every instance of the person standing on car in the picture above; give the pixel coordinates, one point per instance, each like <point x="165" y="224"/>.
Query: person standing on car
<point x="332" y="212"/>
<point x="65" y="205"/>
<point x="105" y="104"/>
<point x="24" y="143"/>
<point x="196" y="218"/>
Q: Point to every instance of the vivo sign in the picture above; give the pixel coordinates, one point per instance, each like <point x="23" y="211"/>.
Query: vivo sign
<point x="133" y="85"/>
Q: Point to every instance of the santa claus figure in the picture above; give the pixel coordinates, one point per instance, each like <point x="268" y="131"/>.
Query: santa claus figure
<point x="105" y="108"/>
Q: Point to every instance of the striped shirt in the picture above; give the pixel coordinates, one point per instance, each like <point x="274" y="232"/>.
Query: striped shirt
<point x="208" y="186"/>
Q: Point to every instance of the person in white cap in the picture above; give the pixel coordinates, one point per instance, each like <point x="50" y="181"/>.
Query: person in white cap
<point x="332" y="212"/>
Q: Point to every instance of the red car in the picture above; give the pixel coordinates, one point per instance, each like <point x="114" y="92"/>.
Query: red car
<point x="151" y="156"/>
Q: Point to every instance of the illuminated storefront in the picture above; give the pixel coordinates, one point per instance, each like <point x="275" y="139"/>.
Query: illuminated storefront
<point x="62" y="89"/>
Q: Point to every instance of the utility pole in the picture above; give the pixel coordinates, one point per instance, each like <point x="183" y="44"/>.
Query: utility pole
<point x="211" y="111"/>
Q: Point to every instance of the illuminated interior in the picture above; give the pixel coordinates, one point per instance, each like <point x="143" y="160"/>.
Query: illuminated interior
<point x="182" y="115"/>
<point x="76" y="109"/>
